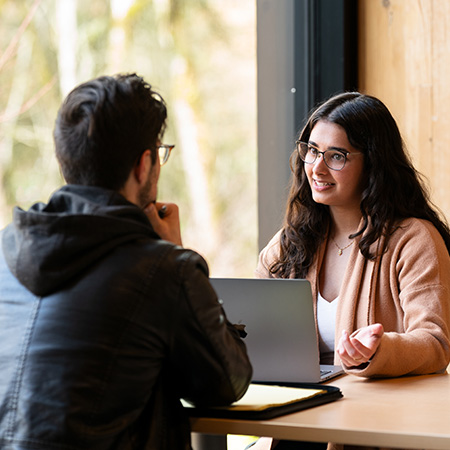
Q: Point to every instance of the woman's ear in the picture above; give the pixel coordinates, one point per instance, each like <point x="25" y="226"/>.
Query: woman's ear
<point x="143" y="166"/>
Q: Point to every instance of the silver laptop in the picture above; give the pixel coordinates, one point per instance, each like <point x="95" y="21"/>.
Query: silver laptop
<point x="279" y="318"/>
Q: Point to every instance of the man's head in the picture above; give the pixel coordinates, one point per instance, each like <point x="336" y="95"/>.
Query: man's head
<point x="103" y="128"/>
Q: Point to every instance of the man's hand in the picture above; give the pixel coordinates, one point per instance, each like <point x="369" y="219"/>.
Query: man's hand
<point x="165" y="220"/>
<point x="361" y="345"/>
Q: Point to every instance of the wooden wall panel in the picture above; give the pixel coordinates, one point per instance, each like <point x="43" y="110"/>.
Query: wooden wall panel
<point x="441" y="104"/>
<point x="404" y="59"/>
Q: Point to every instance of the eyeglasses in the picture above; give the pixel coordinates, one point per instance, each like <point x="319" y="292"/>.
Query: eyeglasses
<point x="334" y="159"/>
<point x="164" y="153"/>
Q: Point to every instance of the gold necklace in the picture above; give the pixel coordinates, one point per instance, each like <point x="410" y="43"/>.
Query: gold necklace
<point x="341" y="249"/>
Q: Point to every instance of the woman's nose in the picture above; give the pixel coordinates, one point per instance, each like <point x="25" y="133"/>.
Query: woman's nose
<point x="319" y="164"/>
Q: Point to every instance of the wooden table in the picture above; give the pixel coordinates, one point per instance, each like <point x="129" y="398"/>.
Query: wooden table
<point x="407" y="412"/>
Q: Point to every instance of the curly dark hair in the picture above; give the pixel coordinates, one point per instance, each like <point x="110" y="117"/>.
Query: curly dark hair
<point x="394" y="189"/>
<point x="104" y="125"/>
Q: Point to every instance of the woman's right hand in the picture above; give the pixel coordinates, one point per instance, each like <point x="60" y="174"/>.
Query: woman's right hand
<point x="358" y="348"/>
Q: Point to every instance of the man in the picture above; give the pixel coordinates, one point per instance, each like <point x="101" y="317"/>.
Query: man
<point x="105" y="320"/>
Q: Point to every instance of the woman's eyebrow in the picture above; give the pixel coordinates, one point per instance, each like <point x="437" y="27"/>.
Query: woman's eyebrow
<point x="312" y="143"/>
<point x="343" y="150"/>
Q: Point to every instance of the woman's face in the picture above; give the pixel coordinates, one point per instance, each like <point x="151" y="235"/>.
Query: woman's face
<point x="335" y="188"/>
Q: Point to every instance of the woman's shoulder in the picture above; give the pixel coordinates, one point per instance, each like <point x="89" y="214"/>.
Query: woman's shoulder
<point x="268" y="255"/>
<point x="418" y="232"/>
<point x="413" y="225"/>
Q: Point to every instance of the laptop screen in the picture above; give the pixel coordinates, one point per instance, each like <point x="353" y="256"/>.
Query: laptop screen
<point x="279" y="319"/>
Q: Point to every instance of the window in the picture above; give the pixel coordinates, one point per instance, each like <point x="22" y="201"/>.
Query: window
<point x="200" y="55"/>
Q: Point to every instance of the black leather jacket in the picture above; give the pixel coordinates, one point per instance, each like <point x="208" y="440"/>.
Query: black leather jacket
<point x="104" y="327"/>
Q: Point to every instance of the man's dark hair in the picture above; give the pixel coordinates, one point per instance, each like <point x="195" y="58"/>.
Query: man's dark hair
<point x="103" y="127"/>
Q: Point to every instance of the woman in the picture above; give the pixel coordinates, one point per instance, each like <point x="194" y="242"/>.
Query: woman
<point x="360" y="227"/>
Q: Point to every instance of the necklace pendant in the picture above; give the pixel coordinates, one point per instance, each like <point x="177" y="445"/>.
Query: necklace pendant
<point x="340" y="252"/>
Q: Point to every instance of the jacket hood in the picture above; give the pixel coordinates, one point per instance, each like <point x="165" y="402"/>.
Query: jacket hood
<point x="49" y="244"/>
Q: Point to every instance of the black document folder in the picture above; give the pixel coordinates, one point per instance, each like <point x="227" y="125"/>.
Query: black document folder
<point x="265" y="401"/>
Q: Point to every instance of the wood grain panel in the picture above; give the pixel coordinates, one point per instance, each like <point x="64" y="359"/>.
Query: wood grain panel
<point x="404" y="59"/>
<point x="440" y="118"/>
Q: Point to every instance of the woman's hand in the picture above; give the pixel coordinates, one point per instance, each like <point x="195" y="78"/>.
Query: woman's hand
<point x="361" y="345"/>
<point x="165" y="220"/>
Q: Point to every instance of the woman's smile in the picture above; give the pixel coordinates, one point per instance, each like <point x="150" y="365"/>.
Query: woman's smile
<point x="318" y="184"/>
<point x="335" y="188"/>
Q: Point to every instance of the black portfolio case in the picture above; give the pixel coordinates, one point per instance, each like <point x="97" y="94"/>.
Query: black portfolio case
<point x="320" y="394"/>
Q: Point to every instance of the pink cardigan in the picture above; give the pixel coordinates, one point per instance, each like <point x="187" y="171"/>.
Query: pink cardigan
<point x="407" y="289"/>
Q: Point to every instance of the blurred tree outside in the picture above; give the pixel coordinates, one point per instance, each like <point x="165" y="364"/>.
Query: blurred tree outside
<point x="199" y="54"/>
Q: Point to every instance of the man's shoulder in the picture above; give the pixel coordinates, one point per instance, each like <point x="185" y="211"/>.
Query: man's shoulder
<point x="167" y="256"/>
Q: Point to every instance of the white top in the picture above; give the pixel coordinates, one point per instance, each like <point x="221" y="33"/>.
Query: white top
<point x="326" y="324"/>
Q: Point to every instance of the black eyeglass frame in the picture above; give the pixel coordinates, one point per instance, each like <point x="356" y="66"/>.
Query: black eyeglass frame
<point x="344" y="153"/>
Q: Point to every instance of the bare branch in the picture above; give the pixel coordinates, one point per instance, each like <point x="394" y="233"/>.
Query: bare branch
<point x="11" y="49"/>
